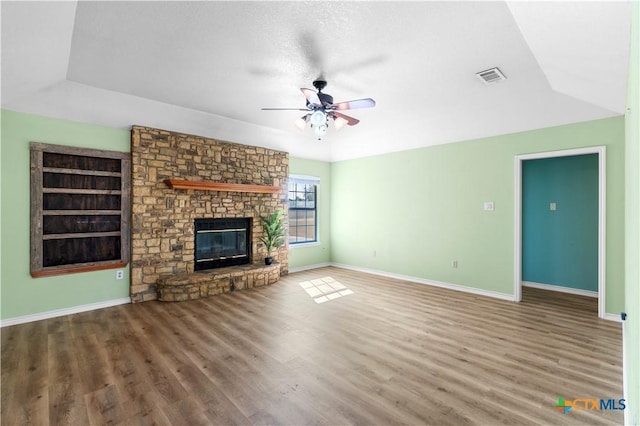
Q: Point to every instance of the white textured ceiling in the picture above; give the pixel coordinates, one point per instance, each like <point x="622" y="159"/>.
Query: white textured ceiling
<point x="208" y="67"/>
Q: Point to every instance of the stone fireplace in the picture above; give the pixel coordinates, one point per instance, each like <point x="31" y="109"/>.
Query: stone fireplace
<point x="165" y="216"/>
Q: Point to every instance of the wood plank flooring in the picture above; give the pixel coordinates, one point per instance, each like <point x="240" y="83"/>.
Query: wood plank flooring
<point x="391" y="353"/>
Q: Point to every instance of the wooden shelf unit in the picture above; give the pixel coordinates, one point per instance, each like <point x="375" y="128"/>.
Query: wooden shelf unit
<point x="80" y="209"/>
<point x="220" y="186"/>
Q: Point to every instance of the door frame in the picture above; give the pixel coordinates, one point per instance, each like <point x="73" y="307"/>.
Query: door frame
<point x="602" y="173"/>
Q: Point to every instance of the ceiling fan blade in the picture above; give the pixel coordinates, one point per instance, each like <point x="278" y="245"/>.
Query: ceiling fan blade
<point x="358" y="103"/>
<point x="284" y="109"/>
<point x="312" y="97"/>
<point x="350" y="120"/>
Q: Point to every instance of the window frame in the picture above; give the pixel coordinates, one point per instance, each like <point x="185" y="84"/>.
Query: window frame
<point x="302" y="179"/>
<point x="38" y="189"/>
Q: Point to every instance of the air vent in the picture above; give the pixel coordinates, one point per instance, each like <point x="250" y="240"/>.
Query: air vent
<point x="491" y="76"/>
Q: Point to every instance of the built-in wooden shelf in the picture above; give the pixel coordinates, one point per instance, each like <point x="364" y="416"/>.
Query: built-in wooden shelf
<point x="74" y="269"/>
<point x="80" y="209"/>
<point x="220" y="186"/>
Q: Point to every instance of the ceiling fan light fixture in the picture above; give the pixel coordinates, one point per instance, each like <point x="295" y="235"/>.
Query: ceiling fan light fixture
<point x="300" y="123"/>
<point x="320" y="109"/>
<point x="339" y="123"/>
<point x="320" y="130"/>
<point x="318" y="118"/>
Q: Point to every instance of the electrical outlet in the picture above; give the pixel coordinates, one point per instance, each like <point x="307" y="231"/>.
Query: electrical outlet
<point x="489" y="206"/>
<point x="119" y="274"/>
<point x="454" y="263"/>
<point x="552" y="206"/>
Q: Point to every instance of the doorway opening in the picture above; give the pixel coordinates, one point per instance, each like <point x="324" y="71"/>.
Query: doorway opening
<point x="519" y="160"/>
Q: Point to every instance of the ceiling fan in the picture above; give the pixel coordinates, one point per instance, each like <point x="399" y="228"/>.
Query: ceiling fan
<point x="321" y="109"/>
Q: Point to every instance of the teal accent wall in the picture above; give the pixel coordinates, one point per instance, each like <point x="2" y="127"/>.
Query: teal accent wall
<point x="304" y="256"/>
<point x="21" y="294"/>
<point x="413" y="212"/>
<point x="632" y="223"/>
<point x="560" y="247"/>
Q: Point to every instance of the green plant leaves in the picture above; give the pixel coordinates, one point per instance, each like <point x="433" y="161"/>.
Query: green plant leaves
<point x="274" y="230"/>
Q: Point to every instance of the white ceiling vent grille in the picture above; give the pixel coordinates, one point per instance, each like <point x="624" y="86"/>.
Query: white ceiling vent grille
<point x="491" y="76"/>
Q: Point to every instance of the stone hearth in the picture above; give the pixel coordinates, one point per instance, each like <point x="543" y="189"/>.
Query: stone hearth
<point x="196" y="285"/>
<point x="162" y="229"/>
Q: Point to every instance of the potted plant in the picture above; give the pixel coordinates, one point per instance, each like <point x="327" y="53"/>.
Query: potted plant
<point x="274" y="233"/>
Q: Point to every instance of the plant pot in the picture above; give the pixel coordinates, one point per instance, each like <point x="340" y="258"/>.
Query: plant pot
<point x="268" y="260"/>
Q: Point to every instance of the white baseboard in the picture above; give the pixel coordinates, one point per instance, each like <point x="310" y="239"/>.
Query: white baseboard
<point x="503" y="296"/>
<point x="125" y="300"/>
<point x="560" y="289"/>
<point x="308" y="267"/>
<point x="65" y="311"/>
<point x="613" y="317"/>
<point x="433" y="283"/>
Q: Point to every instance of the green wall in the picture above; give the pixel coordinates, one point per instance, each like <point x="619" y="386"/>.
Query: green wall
<point x="410" y="213"/>
<point x="21" y="294"/>
<point x="560" y="247"/>
<point x="632" y="223"/>
<point x="306" y="256"/>
<point x="413" y="212"/>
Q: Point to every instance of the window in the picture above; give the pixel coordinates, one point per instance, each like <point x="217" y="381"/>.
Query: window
<point x="303" y="212"/>
<point x="79" y="209"/>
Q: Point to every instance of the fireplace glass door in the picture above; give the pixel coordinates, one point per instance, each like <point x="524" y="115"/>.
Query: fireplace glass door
<point x="222" y="242"/>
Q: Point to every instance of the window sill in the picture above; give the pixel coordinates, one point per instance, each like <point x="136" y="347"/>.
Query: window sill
<point x="301" y="245"/>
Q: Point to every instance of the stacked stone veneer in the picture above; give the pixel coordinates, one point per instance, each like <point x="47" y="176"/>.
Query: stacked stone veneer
<point x="162" y="228"/>
<point x="180" y="287"/>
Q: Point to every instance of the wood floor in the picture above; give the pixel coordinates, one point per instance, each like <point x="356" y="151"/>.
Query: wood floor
<point x="391" y="353"/>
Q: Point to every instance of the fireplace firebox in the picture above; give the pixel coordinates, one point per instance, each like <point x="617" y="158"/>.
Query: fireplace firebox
<point x="222" y="242"/>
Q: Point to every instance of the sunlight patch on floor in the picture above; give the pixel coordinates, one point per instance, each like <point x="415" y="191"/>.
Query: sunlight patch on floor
<point x="325" y="289"/>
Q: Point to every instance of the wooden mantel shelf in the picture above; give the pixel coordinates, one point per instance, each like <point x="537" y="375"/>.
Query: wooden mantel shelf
<point x="220" y="186"/>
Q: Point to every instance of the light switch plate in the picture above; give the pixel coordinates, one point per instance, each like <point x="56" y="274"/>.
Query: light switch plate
<point x="552" y="206"/>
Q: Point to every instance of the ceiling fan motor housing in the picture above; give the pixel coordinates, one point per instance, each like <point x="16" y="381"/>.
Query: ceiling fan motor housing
<point x="324" y="98"/>
<point x="327" y="100"/>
